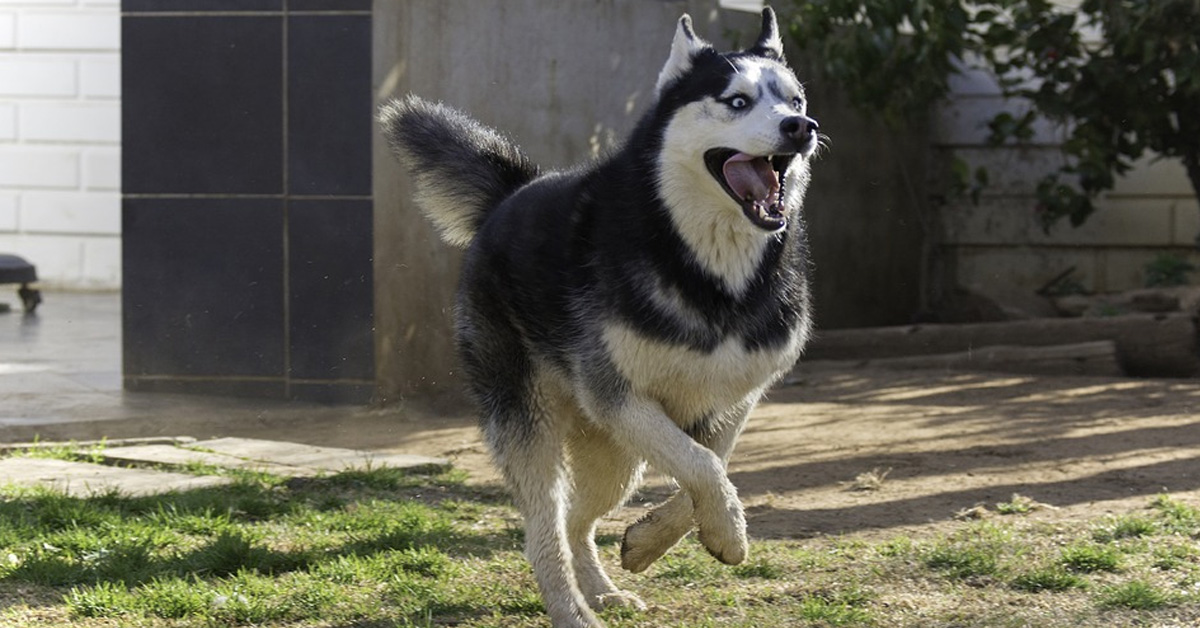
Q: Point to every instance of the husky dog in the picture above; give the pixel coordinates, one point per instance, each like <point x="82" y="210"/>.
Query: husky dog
<point x="629" y="311"/>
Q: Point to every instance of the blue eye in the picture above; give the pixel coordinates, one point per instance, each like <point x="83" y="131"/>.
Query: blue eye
<point x="738" y="102"/>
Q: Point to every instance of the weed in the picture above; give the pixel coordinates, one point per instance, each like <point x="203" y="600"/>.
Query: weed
<point x="1124" y="528"/>
<point x="1048" y="579"/>
<point x="760" y="567"/>
<point x="1174" y="556"/>
<point x="1088" y="558"/>
<point x="1178" y="518"/>
<point x="1020" y="505"/>
<point x="1136" y="595"/>
<point x="870" y="480"/>
<point x="963" y="561"/>
<point x="1168" y="269"/>
<point x="838" y="608"/>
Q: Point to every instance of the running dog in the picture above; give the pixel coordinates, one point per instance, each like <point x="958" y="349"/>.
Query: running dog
<point x="629" y="311"/>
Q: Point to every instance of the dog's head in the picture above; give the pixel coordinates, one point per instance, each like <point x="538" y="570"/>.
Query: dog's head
<point x="742" y="118"/>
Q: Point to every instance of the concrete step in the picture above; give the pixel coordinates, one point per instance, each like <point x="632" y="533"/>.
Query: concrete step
<point x="169" y="455"/>
<point x="85" y="479"/>
<point x="319" y="459"/>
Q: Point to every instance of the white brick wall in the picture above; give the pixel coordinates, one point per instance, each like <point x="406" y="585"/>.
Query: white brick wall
<point x="60" y="132"/>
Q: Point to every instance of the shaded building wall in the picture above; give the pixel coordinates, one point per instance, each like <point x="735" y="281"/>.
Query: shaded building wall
<point x="870" y="222"/>
<point x="247" y="198"/>
<point x="997" y="247"/>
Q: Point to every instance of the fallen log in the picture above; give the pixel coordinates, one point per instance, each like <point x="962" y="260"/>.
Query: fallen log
<point x="1084" y="358"/>
<point x="1147" y="345"/>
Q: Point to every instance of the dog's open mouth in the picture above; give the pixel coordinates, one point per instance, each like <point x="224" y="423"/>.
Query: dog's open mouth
<point x="754" y="182"/>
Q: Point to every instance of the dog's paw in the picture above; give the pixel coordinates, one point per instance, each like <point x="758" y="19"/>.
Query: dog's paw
<point x="649" y="538"/>
<point x="725" y="536"/>
<point x="616" y="599"/>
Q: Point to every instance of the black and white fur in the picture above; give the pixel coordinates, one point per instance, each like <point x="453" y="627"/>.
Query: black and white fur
<point x="629" y="311"/>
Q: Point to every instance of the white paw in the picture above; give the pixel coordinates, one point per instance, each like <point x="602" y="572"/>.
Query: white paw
<point x="723" y="534"/>
<point x="647" y="540"/>
<point x="616" y="599"/>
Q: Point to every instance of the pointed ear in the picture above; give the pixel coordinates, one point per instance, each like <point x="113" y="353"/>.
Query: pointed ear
<point x="683" y="51"/>
<point x="769" y="43"/>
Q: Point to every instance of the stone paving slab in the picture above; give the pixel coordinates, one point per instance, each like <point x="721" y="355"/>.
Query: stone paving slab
<point x="321" y="459"/>
<point x="171" y="455"/>
<point x="84" y="479"/>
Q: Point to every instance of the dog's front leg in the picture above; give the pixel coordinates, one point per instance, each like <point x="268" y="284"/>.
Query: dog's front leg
<point x="646" y="540"/>
<point x="644" y="429"/>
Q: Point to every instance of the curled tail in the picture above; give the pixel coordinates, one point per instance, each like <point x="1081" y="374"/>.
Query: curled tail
<point x="462" y="168"/>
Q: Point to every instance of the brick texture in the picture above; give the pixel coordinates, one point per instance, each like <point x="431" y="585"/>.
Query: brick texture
<point x="60" y="132"/>
<point x="75" y="30"/>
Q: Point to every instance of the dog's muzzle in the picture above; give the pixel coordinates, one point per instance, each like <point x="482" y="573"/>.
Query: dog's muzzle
<point x="755" y="182"/>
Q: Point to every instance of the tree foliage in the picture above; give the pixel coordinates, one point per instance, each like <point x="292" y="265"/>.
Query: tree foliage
<point x="1120" y="77"/>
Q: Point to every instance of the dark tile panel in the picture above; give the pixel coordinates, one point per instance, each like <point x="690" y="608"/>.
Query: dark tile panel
<point x="330" y="289"/>
<point x="217" y="387"/>
<point x="360" y="394"/>
<point x="203" y="287"/>
<point x="329" y="105"/>
<point x="202" y="105"/>
<point x="175" y="6"/>
<point x="329" y="5"/>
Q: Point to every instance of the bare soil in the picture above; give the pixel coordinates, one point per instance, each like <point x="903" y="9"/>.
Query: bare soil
<point x="946" y="441"/>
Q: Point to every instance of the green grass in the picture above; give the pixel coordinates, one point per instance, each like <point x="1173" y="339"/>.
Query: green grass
<point x="1125" y="527"/>
<point x="1137" y="595"/>
<point x="1089" y="558"/>
<point x="377" y="547"/>
<point x="1048" y="579"/>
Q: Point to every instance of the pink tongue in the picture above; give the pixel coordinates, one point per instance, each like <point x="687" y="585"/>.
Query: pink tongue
<point x="750" y="177"/>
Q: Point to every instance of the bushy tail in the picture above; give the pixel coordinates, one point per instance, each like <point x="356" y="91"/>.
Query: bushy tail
<point x="462" y="168"/>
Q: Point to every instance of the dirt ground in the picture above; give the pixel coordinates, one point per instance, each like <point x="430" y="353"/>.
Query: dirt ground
<point x="947" y="442"/>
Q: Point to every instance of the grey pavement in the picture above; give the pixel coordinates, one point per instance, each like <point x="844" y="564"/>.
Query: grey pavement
<point x="60" y="380"/>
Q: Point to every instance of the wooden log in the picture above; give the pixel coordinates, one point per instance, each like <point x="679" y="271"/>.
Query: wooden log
<point x="1086" y="358"/>
<point x="1147" y="345"/>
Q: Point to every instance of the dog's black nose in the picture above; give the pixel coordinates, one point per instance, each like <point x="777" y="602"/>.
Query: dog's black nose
<point x="798" y="127"/>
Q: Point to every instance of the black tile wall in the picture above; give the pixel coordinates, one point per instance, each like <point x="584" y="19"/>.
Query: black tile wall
<point x="330" y="289"/>
<point x="325" y="155"/>
<point x="201" y="105"/>
<point x="203" y="289"/>
<point x="247" y="210"/>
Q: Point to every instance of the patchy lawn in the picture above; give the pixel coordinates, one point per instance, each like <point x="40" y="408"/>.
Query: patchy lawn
<point x="383" y="548"/>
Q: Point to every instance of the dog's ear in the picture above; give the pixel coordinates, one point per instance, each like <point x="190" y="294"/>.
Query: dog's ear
<point x="769" y="43"/>
<point x="684" y="49"/>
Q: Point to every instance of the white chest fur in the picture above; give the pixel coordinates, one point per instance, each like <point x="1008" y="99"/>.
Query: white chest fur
<point x="691" y="384"/>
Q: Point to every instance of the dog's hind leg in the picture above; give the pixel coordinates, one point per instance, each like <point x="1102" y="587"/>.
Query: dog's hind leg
<point x="650" y="537"/>
<point x="603" y="476"/>
<point x="532" y="459"/>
